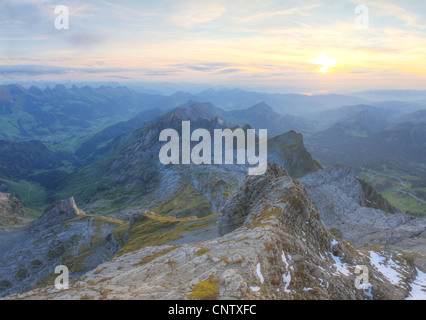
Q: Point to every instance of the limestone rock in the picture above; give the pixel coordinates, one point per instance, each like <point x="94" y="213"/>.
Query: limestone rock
<point x="250" y="191"/>
<point x="28" y="259"/>
<point x="61" y="211"/>
<point x="352" y="208"/>
<point x="276" y="248"/>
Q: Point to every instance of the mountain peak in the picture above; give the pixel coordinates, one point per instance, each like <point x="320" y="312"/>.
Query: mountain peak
<point x="61" y="211"/>
<point x="35" y="91"/>
<point x="253" y="188"/>
<point x="194" y="110"/>
<point x="263" y="106"/>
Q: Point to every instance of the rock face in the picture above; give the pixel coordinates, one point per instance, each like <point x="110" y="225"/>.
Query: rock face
<point x="12" y="210"/>
<point x="289" y="151"/>
<point x="254" y="189"/>
<point x="133" y="176"/>
<point x="274" y="246"/>
<point x="349" y="205"/>
<point x="61" y="211"/>
<point x="64" y="235"/>
<point x="374" y="199"/>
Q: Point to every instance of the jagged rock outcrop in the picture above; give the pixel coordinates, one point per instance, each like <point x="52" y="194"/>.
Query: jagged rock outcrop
<point x="132" y="176"/>
<point x="236" y="209"/>
<point x="59" y="212"/>
<point x="345" y="205"/>
<point x="281" y="250"/>
<point x="373" y="199"/>
<point x="12" y="211"/>
<point x="64" y="235"/>
<point x="289" y="151"/>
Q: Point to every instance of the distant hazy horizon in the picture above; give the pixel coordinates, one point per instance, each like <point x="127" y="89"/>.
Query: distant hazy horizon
<point x="170" y="88"/>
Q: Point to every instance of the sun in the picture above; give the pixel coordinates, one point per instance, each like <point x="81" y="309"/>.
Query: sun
<point x="324" y="61"/>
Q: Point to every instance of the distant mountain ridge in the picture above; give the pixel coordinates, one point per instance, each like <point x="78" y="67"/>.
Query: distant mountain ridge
<point x="185" y="228"/>
<point x="132" y="164"/>
<point x="294" y="104"/>
<point x="19" y="159"/>
<point x="34" y="113"/>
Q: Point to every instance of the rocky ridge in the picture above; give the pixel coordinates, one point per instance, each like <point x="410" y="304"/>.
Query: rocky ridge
<point x="59" y="212"/>
<point x="277" y="247"/>
<point x="346" y="206"/>
<point x="134" y="178"/>
<point x="63" y="235"/>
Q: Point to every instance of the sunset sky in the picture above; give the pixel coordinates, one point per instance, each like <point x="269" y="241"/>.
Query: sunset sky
<point x="304" y="45"/>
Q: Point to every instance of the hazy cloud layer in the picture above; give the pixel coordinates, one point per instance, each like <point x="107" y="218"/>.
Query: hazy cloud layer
<point x="218" y="41"/>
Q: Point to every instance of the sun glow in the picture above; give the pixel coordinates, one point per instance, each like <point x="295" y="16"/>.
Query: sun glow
<point x="324" y="61"/>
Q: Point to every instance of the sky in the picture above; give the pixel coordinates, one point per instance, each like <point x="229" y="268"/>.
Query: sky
<point x="309" y="47"/>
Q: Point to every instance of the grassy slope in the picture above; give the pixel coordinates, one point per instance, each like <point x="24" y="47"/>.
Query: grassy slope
<point x="151" y="230"/>
<point x="393" y="185"/>
<point x="32" y="195"/>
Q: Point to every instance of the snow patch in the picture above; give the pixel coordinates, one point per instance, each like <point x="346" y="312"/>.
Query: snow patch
<point x="367" y="289"/>
<point x="284" y="259"/>
<point x="340" y="266"/>
<point x="287" y="275"/>
<point x="259" y="274"/>
<point x="418" y="287"/>
<point x="286" y="280"/>
<point x="387" y="268"/>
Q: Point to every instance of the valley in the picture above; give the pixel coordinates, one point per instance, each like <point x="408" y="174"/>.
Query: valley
<point x="213" y="150"/>
<point x="99" y="200"/>
<point x="403" y="194"/>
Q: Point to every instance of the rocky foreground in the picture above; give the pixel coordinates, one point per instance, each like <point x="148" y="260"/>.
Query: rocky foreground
<point x="273" y="245"/>
<point x="363" y="217"/>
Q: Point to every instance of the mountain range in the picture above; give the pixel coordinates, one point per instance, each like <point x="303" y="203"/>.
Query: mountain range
<point x="81" y="185"/>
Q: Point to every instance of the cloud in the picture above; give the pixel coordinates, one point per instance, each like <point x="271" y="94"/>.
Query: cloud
<point x="230" y="70"/>
<point x="203" y="67"/>
<point x="84" y="40"/>
<point x="37" y="70"/>
<point x="315" y="92"/>
<point x="390" y="9"/>
<point x="303" y="10"/>
<point x="194" y="14"/>
<point x="32" y="70"/>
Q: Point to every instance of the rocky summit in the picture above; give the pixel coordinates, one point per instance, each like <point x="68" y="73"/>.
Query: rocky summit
<point x="273" y="245"/>
<point x="59" y="212"/>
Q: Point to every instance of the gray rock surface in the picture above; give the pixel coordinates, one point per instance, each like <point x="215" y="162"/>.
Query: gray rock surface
<point x="340" y="198"/>
<point x="282" y="250"/>
<point x="81" y="242"/>
<point x="59" y="212"/>
<point x="248" y="194"/>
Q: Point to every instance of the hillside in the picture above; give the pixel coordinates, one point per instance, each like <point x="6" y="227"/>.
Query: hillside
<point x="129" y="174"/>
<point x="274" y="246"/>
<point x="56" y="115"/>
